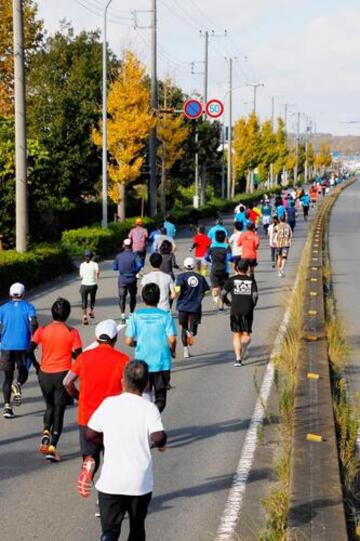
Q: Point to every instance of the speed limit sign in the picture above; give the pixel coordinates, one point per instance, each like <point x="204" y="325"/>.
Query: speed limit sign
<point x="214" y="108"/>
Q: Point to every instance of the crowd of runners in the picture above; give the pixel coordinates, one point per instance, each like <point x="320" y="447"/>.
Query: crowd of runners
<point x="107" y="385"/>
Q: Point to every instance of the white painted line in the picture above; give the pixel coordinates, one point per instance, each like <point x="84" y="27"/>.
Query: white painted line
<point x="95" y="344"/>
<point x="235" y="498"/>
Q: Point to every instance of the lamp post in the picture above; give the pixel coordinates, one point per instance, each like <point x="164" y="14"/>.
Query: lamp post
<point x="104" y="222"/>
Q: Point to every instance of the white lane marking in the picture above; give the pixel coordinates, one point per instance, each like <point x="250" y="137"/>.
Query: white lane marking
<point x="95" y="344"/>
<point x="235" y="498"/>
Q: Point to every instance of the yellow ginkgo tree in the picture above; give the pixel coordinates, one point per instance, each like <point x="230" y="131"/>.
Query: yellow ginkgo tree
<point x="130" y="120"/>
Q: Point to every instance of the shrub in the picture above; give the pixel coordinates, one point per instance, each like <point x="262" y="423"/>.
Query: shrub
<point x="32" y="268"/>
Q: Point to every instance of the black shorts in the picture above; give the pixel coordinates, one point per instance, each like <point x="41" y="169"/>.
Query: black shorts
<point x="11" y="359"/>
<point x="52" y="388"/>
<point x="88" y="448"/>
<point x="190" y="321"/>
<point x="240" y="323"/>
<point x="218" y="280"/>
<point x="251" y="262"/>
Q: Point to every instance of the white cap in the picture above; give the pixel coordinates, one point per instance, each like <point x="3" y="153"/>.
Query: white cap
<point x="127" y="242"/>
<point x="17" y="290"/>
<point x="189" y="263"/>
<point x="106" y="328"/>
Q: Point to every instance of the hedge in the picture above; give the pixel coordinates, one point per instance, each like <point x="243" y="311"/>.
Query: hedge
<point x="104" y="242"/>
<point x="34" y="267"/>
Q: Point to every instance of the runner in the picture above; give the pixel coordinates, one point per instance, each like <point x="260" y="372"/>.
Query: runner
<point x="291" y="215"/>
<point x="249" y="242"/>
<point x="100" y="371"/>
<point x="17" y="323"/>
<point x="164" y="281"/>
<point x="138" y="236"/>
<point x="153" y="334"/>
<point x="129" y="427"/>
<point x="240" y="215"/>
<point x="128" y="264"/>
<point x="169" y="227"/>
<point x="160" y="239"/>
<point x="219" y="256"/>
<point x="168" y="263"/>
<point x="254" y="214"/>
<point x="152" y="238"/>
<point x="201" y="243"/>
<point x="266" y="214"/>
<point x="283" y="242"/>
<point x="272" y="239"/>
<point x="236" y="250"/>
<point x="244" y="296"/>
<point x="191" y="288"/>
<point x="59" y="345"/>
<point x="305" y="203"/>
<point x="89" y="274"/>
<point x="218" y="227"/>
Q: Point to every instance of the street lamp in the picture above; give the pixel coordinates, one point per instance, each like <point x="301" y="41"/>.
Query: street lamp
<point x="104" y="222"/>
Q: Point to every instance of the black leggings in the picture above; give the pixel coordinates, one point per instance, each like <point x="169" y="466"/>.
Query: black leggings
<point x="9" y="378"/>
<point x="160" y="381"/>
<point x="86" y="292"/>
<point x="54" y="421"/>
<point x="123" y="291"/>
<point x="112" y="511"/>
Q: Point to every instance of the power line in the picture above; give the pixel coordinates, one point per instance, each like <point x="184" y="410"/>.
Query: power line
<point x="95" y="11"/>
<point x="180" y="17"/>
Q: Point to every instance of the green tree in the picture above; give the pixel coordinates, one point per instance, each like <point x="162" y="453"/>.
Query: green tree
<point x="65" y="100"/>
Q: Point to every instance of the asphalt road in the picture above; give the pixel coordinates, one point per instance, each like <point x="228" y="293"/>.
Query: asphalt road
<point x="345" y="261"/>
<point x="207" y="416"/>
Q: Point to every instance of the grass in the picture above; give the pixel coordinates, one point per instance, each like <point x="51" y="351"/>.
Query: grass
<point x="277" y="503"/>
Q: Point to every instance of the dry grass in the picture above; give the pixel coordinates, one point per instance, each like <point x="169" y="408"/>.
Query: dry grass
<point x="277" y="503"/>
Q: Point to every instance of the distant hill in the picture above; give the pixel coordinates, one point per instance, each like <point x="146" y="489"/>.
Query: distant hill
<point x="346" y="144"/>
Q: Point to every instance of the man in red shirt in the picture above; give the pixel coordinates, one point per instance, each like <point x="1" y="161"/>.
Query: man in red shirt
<point x="100" y="371"/>
<point x="249" y="242"/>
<point x="201" y="243"/>
<point x="59" y="345"/>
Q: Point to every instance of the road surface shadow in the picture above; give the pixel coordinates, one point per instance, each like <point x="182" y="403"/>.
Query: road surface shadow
<point x="181" y="437"/>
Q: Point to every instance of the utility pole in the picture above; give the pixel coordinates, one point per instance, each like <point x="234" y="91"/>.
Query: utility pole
<point x="20" y="129"/>
<point x="154" y="107"/>
<point x="297" y="148"/>
<point x="273" y="126"/>
<point x="255" y="86"/>
<point x="104" y="222"/>
<point x="229" y="168"/>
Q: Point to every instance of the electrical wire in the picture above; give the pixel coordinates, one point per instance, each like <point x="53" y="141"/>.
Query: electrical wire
<point x="94" y="10"/>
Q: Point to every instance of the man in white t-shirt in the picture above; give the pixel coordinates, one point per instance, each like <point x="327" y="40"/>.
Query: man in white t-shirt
<point x="236" y="250"/>
<point x="163" y="280"/>
<point x="89" y="274"/>
<point x="128" y="426"/>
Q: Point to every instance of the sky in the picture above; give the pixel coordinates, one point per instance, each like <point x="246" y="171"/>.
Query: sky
<point x="306" y="53"/>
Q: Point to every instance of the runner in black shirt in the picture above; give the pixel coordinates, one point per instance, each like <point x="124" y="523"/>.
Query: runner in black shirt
<point x="219" y="256"/>
<point x="244" y="296"/>
<point x="191" y="288"/>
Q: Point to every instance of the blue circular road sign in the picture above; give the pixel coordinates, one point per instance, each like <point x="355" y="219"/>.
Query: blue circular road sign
<point x="193" y="108"/>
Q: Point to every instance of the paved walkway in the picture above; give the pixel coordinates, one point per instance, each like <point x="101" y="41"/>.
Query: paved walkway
<point x="206" y="418"/>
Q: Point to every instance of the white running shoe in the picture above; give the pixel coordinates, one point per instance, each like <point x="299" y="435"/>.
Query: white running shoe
<point x="186" y="353"/>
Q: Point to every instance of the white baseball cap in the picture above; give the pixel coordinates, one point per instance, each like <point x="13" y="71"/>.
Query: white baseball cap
<point x="127" y="242"/>
<point x="106" y="330"/>
<point x="17" y="290"/>
<point x="189" y="263"/>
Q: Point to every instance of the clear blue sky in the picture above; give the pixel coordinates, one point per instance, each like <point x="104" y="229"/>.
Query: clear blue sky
<point x="306" y="53"/>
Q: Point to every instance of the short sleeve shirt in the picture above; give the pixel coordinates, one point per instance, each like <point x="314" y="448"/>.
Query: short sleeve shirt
<point x="126" y="422"/>
<point x="15" y="317"/>
<point x="165" y="283"/>
<point x="88" y="273"/>
<point x="241" y="288"/>
<point x="100" y="371"/>
<point x="202" y="243"/>
<point x="151" y="328"/>
<point x="192" y="289"/>
<point x="58" y="342"/>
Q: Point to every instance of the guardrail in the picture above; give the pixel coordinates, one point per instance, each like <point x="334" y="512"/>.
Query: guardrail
<point x="316" y="498"/>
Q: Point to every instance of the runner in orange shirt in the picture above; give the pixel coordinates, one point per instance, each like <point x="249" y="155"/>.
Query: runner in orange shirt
<point x="100" y="371"/>
<point x="249" y="242"/>
<point x="59" y="344"/>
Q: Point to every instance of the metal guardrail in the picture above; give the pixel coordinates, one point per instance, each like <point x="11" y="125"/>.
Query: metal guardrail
<point x="316" y="500"/>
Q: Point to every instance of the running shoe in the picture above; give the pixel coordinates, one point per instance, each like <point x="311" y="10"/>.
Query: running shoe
<point x="97" y="509"/>
<point x="16" y="394"/>
<point x="52" y="455"/>
<point x="238" y="363"/>
<point x="85" y="320"/>
<point x="8" y="412"/>
<point x="221" y="310"/>
<point x="45" y="442"/>
<point x="123" y="319"/>
<point x="91" y="314"/>
<point x="190" y="338"/>
<point x="186" y="353"/>
<point x="84" y="481"/>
